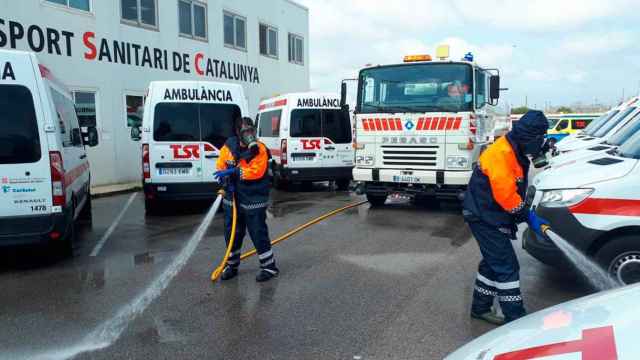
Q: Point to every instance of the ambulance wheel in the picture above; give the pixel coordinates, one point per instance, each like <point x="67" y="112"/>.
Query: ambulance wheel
<point x="151" y="207"/>
<point x="67" y="245"/>
<point x="280" y="183"/>
<point x="86" y="214"/>
<point x="621" y="258"/>
<point x="343" y="185"/>
<point x="376" y="200"/>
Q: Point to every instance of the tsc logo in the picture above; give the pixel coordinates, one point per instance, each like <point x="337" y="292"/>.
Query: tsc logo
<point x="5" y="180"/>
<point x="185" y="151"/>
<point x="310" y="144"/>
<point x="6" y="189"/>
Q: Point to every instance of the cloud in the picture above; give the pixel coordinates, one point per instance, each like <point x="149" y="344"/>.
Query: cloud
<point x="597" y="43"/>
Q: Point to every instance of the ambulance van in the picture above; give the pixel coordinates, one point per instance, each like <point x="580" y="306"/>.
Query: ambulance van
<point x="310" y="138"/>
<point x="598" y="211"/>
<point x="44" y="170"/>
<point x="185" y="125"/>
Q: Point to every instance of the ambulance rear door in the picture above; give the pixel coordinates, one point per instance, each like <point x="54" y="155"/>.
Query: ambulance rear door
<point x="305" y="143"/>
<point x="269" y="122"/>
<point x="337" y="138"/>
<point x="175" y="155"/>
<point x="217" y="125"/>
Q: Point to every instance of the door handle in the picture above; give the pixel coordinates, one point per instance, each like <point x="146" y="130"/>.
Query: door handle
<point x="82" y="157"/>
<point x="329" y="148"/>
<point x="211" y="156"/>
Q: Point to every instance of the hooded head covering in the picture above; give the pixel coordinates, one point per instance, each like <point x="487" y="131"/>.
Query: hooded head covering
<point x="246" y="131"/>
<point x="528" y="132"/>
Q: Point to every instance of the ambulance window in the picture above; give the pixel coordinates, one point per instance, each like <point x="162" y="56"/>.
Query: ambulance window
<point x="631" y="147"/>
<point x="580" y="124"/>
<point x="336" y="126"/>
<point x="306" y="123"/>
<point x="67" y="117"/>
<point x="562" y="125"/>
<point x="604" y="130"/>
<point x="626" y="132"/>
<point x="216" y="121"/>
<point x="176" y="122"/>
<point x="19" y="139"/>
<point x="599" y="122"/>
<point x="269" y="124"/>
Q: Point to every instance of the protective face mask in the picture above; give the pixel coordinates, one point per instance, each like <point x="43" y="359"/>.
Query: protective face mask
<point x="248" y="138"/>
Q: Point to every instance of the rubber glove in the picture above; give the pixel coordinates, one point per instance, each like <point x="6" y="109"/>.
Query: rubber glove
<point x="535" y="222"/>
<point x="222" y="175"/>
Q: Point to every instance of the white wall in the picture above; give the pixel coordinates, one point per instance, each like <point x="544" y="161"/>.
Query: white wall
<point x="117" y="158"/>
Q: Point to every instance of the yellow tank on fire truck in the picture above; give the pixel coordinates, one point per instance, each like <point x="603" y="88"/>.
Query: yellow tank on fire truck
<point x="421" y="124"/>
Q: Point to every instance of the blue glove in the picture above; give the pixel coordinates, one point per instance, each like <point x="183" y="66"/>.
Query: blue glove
<point x="222" y="175"/>
<point x="535" y="222"/>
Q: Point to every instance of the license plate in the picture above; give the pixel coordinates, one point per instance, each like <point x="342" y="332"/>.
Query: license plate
<point x="406" y="179"/>
<point x="174" y="171"/>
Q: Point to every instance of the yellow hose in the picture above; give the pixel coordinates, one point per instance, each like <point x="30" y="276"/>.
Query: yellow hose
<point x="304" y="226"/>
<point x="218" y="271"/>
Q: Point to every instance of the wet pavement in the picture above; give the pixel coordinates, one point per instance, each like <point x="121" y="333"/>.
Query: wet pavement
<point x="370" y="283"/>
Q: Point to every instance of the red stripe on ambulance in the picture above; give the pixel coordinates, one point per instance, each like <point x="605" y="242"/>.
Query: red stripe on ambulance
<point x="619" y="207"/>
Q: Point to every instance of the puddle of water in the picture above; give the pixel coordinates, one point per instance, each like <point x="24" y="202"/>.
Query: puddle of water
<point x="395" y="263"/>
<point x="597" y="276"/>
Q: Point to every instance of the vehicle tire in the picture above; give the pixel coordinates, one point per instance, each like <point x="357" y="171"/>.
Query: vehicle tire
<point x="279" y="183"/>
<point x="621" y="258"/>
<point x="65" y="247"/>
<point x="151" y="207"/>
<point x="343" y="184"/>
<point x="86" y="214"/>
<point x="376" y="200"/>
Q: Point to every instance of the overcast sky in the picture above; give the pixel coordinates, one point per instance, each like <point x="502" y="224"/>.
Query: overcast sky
<point x="557" y="51"/>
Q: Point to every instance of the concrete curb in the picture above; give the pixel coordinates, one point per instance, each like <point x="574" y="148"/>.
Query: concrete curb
<point x="115" y="189"/>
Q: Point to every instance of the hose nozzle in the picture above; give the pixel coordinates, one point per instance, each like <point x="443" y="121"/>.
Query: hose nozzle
<point x="544" y="228"/>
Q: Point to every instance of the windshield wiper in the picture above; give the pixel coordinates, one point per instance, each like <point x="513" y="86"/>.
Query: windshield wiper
<point x="380" y="109"/>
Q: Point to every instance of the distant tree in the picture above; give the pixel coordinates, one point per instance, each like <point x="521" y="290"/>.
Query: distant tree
<point x="565" y="110"/>
<point x="519" y="110"/>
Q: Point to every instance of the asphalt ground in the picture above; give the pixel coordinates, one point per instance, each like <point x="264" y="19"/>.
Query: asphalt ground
<point x="393" y="282"/>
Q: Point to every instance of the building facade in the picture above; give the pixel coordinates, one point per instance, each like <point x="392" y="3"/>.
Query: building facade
<point x="107" y="52"/>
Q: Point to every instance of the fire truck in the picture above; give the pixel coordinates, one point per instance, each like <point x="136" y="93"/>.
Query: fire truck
<point x="421" y="125"/>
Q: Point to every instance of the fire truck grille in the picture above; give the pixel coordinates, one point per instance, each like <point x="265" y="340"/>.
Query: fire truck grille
<point x="418" y="157"/>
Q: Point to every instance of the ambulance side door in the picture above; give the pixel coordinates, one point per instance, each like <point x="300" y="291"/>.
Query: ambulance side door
<point x="268" y="123"/>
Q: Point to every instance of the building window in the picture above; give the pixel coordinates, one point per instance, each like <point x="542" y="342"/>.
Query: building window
<point x="85" y="108"/>
<point x="192" y="16"/>
<point x="268" y="41"/>
<point x="84" y="5"/>
<point x="142" y="13"/>
<point x="296" y="49"/>
<point x="235" y="31"/>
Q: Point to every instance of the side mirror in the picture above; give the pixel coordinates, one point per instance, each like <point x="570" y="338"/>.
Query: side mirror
<point x="92" y="137"/>
<point x="136" y="134"/>
<point x="494" y="87"/>
<point x="343" y="94"/>
<point x="76" y="137"/>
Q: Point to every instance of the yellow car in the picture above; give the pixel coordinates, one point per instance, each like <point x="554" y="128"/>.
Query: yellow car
<point x="564" y="125"/>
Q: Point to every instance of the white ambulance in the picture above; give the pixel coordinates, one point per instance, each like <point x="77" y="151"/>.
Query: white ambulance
<point x="602" y="129"/>
<point x="44" y="170"/>
<point x="594" y="204"/>
<point x="309" y="136"/>
<point x="603" y="326"/>
<point x="185" y="125"/>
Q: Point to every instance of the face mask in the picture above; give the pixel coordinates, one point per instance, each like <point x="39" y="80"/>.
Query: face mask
<point x="248" y="137"/>
<point x="539" y="160"/>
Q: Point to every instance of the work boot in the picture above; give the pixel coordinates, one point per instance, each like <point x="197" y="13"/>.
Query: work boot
<point x="266" y="274"/>
<point x="490" y="316"/>
<point x="229" y="273"/>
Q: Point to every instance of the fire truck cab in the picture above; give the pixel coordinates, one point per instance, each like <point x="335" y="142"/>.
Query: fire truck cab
<point x="421" y="124"/>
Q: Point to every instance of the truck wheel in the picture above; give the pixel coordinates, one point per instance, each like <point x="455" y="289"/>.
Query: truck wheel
<point x="343" y="184"/>
<point x="376" y="200"/>
<point x="151" y="207"/>
<point x="621" y="258"/>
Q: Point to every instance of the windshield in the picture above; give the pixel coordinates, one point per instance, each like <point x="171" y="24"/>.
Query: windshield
<point x="597" y="123"/>
<point x="552" y="123"/>
<point x="416" y="88"/>
<point x="212" y="123"/>
<point x="626" y="132"/>
<point x="609" y="125"/>
<point x="19" y="139"/>
<point x="631" y="147"/>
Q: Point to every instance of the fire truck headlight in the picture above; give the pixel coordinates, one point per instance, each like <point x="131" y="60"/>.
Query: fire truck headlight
<point x="564" y="197"/>
<point x="457" y="162"/>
